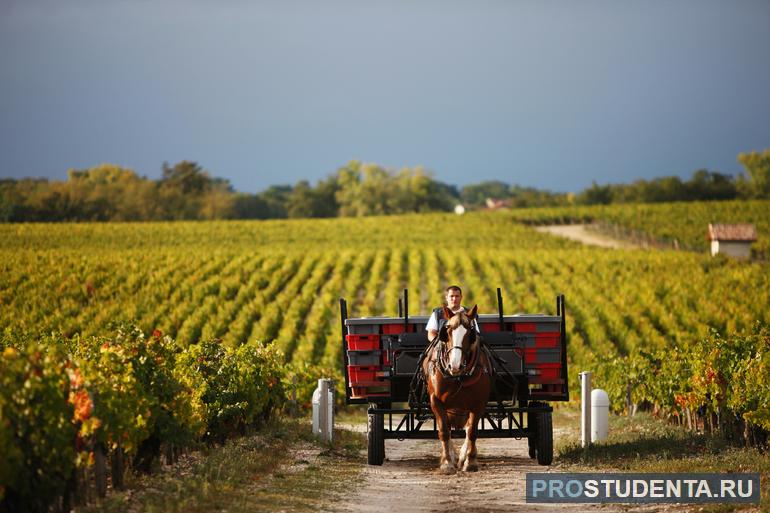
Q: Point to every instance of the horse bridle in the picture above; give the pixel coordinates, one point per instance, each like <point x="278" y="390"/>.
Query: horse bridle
<point x="445" y="352"/>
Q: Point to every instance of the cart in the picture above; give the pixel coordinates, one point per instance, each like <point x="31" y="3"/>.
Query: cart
<point x="381" y="356"/>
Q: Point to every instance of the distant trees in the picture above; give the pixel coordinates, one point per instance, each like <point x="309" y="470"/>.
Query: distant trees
<point x="703" y="185"/>
<point x="369" y="189"/>
<point x="515" y="196"/>
<point x="757" y="182"/>
<point x="187" y="191"/>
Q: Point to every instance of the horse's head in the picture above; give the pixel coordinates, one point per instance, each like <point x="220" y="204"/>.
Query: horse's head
<point x="458" y="336"/>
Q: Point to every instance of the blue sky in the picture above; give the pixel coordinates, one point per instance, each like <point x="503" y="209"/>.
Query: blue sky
<point x="551" y="94"/>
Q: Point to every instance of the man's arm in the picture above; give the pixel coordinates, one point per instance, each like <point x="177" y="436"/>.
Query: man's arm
<point x="432" y="327"/>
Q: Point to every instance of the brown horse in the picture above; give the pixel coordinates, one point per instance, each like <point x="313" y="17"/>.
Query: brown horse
<point x="457" y="372"/>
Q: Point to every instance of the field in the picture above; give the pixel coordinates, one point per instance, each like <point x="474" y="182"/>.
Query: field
<point x="280" y="280"/>
<point x="680" y="224"/>
<point x="646" y="322"/>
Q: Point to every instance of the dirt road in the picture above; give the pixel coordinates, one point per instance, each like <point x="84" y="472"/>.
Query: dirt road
<point x="408" y="481"/>
<point x="583" y="233"/>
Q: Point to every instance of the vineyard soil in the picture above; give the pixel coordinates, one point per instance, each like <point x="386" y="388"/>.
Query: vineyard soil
<point x="583" y="233"/>
<point x="408" y="479"/>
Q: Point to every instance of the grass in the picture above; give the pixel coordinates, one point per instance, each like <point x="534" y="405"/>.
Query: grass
<point x="281" y="468"/>
<point x="645" y="444"/>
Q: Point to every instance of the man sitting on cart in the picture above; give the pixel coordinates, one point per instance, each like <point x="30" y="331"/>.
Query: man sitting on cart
<point x="454" y="297"/>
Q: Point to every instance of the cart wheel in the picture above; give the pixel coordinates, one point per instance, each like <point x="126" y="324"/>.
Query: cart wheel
<point x="544" y="438"/>
<point x="375" y="439"/>
<point x="532" y="438"/>
<point x="532" y="427"/>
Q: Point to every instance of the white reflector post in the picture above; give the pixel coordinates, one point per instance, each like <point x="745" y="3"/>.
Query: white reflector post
<point x="323" y="410"/>
<point x="585" y="408"/>
<point x="600" y="415"/>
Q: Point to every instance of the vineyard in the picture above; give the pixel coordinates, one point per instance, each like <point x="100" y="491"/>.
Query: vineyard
<point x="663" y="328"/>
<point x="681" y="224"/>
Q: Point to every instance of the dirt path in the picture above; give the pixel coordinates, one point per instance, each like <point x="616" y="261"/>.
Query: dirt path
<point x="583" y="233"/>
<point x="408" y="481"/>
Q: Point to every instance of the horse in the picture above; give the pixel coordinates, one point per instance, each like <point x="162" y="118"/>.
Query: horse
<point x="457" y="373"/>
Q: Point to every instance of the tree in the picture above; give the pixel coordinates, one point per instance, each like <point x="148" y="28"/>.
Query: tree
<point x="186" y="176"/>
<point x="477" y="194"/>
<point x="596" y="195"/>
<point x="276" y="197"/>
<point x="348" y="193"/>
<point x="181" y="190"/>
<point x="757" y="167"/>
<point x="301" y="202"/>
<point x="706" y="185"/>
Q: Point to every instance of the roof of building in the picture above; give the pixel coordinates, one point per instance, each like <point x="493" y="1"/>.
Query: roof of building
<point x="732" y="232"/>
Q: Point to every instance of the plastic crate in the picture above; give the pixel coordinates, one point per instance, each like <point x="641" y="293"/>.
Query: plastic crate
<point x="547" y="340"/>
<point x="365" y="375"/>
<point x="538" y="355"/>
<point x="524" y="327"/>
<point x="363" y="357"/>
<point x="489" y="327"/>
<point x="360" y="329"/>
<point x="372" y="391"/>
<point x="548" y="370"/>
<point x="547" y="390"/>
<point x="392" y="329"/>
<point x="363" y="342"/>
<point x="531" y="340"/>
<point x="537" y="327"/>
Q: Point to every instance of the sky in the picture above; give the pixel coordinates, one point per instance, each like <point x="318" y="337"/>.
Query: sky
<point x="550" y="94"/>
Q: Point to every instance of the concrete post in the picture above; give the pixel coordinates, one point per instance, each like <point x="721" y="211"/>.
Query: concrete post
<point x="600" y="413"/>
<point x="323" y="410"/>
<point x="585" y="409"/>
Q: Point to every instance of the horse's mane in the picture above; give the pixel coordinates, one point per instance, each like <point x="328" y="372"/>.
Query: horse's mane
<point x="457" y="319"/>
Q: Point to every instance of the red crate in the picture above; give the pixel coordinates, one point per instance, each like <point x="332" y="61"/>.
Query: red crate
<point x="361" y="342"/>
<point x="547" y="340"/>
<point x="533" y="355"/>
<point x="361" y="375"/>
<point x="374" y="391"/>
<point x="549" y="370"/>
<point x="548" y="390"/>
<point x="525" y="327"/>
<point x="392" y="329"/>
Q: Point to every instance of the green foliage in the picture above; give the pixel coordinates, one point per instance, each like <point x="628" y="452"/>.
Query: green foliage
<point x="238" y="387"/>
<point x="703" y="185"/>
<point x="36" y="427"/>
<point x="683" y="225"/>
<point x="717" y="375"/>
<point x="60" y="397"/>
<point x="636" y="318"/>
<point x="369" y="189"/>
<point x="757" y="166"/>
<point x="186" y="191"/>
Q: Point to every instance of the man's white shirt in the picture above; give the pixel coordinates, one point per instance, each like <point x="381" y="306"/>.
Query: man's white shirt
<point x="433" y="321"/>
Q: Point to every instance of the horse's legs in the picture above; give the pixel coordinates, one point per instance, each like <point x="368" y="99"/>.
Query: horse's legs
<point x="468" y="453"/>
<point x="447" y="462"/>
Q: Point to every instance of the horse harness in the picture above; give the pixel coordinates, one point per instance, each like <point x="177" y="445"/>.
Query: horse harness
<point x="417" y="388"/>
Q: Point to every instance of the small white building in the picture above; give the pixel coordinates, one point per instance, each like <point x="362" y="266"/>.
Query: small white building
<point x="732" y="239"/>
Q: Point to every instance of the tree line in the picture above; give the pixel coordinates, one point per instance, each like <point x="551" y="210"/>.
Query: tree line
<point x="187" y="191"/>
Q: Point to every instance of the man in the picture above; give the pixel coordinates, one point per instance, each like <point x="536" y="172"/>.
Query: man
<point x="454" y="296"/>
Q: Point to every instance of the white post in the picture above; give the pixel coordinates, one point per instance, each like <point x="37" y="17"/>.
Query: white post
<point x="585" y="410"/>
<point x="323" y="410"/>
<point x="600" y="413"/>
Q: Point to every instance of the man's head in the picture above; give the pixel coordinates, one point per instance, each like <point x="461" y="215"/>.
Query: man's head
<point x="454" y="296"/>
